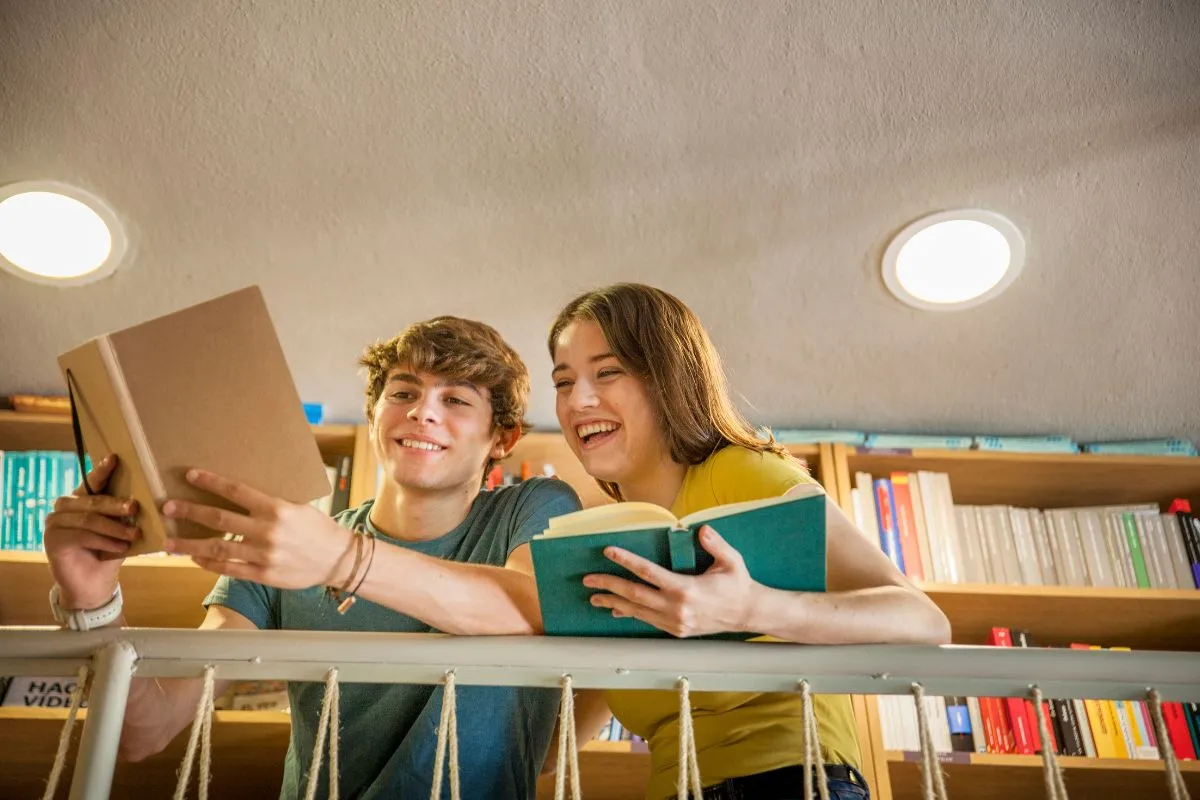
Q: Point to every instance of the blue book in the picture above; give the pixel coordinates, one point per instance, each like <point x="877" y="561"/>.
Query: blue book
<point x="885" y="516"/>
<point x="901" y="441"/>
<point x="813" y="436"/>
<point x="781" y="540"/>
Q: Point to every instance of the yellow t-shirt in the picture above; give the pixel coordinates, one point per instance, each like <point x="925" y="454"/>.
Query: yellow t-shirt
<point x="735" y="733"/>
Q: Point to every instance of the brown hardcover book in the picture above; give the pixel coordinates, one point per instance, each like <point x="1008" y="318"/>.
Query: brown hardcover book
<point x="207" y="386"/>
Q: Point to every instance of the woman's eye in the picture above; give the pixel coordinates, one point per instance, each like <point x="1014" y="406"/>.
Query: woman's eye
<point x="562" y="383"/>
<point x="608" y="373"/>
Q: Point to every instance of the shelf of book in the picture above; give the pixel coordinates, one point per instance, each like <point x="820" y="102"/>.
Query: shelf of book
<point x="1144" y="619"/>
<point x="1141" y="618"/>
<point x="248" y="752"/>
<point x="159" y="591"/>
<point x="979" y="776"/>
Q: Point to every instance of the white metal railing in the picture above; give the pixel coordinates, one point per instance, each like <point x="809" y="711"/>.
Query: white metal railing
<point x="115" y="655"/>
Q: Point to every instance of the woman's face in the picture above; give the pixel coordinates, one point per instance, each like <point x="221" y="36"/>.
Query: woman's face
<point x="605" y="413"/>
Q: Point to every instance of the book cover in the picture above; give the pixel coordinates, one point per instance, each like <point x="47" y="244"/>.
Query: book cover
<point x="781" y="540"/>
<point x="208" y="387"/>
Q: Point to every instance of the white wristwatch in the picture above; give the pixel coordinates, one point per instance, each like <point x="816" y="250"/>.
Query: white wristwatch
<point x="87" y="619"/>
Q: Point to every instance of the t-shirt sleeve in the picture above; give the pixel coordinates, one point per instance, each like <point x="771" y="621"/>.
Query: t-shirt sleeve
<point x="255" y="602"/>
<point x="545" y="498"/>
<point x="740" y="475"/>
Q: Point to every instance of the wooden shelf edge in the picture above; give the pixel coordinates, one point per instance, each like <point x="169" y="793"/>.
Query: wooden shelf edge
<point x="1039" y="458"/>
<point x="1060" y="592"/>
<point x="1035" y="762"/>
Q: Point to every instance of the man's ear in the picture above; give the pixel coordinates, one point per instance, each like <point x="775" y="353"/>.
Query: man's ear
<point x="506" y="440"/>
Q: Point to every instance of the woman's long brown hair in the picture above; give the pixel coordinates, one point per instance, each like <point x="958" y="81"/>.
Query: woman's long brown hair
<point x="661" y="342"/>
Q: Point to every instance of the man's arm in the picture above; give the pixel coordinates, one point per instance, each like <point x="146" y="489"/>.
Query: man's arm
<point x="159" y="708"/>
<point x="591" y="713"/>
<point x="467" y="599"/>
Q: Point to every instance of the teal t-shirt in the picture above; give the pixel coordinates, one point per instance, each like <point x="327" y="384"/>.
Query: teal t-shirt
<point x="389" y="731"/>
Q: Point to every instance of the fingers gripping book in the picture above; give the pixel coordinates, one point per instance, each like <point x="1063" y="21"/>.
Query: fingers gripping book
<point x="781" y="540"/>
<point x="207" y="386"/>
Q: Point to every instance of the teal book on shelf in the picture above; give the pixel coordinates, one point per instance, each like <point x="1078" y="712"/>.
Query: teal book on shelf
<point x="781" y="540"/>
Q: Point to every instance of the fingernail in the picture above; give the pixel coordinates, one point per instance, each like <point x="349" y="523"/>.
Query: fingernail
<point x="610" y="552"/>
<point x="108" y="459"/>
<point x="193" y="474"/>
<point x="169" y="545"/>
<point x="594" y="600"/>
<point x="129" y="507"/>
<point x="169" y="508"/>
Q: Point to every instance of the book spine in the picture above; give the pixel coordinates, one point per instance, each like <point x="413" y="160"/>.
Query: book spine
<point x="1135" y="551"/>
<point x="889" y="536"/>
<point x="137" y="434"/>
<point x="959" y="718"/>
<point x="1177" y="729"/>
<point x="1022" y="733"/>
<point x="1191" y="540"/>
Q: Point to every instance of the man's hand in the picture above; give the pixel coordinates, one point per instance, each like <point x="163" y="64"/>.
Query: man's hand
<point x="276" y="543"/>
<point x="86" y="537"/>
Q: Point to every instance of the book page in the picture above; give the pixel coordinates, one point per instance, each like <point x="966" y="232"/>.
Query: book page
<point x="797" y="492"/>
<point x="629" y="516"/>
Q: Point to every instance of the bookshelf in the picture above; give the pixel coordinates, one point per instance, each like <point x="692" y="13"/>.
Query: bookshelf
<point x="1152" y="619"/>
<point x="166" y="592"/>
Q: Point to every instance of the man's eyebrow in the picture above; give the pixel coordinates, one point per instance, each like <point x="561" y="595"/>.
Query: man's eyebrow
<point x="408" y="377"/>
<point x="462" y="384"/>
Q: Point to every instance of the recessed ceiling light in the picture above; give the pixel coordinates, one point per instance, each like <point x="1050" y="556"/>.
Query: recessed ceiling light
<point x="954" y="259"/>
<point x="58" y="234"/>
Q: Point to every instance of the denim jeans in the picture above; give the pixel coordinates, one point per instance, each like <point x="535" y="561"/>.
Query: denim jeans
<point x="788" y="784"/>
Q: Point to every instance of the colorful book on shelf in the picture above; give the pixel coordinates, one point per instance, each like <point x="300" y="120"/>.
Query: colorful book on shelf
<point x="781" y="540"/>
<point x="1026" y="444"/>
<point x="207" y="386"/>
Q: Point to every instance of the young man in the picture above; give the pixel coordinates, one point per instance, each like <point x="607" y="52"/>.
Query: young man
<point x="445" y="399"/>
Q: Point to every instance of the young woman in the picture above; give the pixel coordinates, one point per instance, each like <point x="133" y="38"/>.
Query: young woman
<point x="643" y="402"/>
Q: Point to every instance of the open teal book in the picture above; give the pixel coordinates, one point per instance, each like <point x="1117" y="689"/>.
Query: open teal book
<point x="781" y="539"/>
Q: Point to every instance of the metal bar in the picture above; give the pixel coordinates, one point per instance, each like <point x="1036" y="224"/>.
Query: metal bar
<point x="102" y="728"/>
<point x="618" y="663"/>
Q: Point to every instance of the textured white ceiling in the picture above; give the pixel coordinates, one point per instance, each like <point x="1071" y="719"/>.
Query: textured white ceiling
<point x="372" y="163"/>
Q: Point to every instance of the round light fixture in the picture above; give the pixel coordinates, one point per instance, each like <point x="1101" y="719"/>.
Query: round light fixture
<point x="58" y="234"/>
<point x="954" y="259"/>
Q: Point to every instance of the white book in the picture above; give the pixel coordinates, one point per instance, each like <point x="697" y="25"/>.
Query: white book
<point x="1154" y="545"/>
<point x="1027" y="558"/>
<point x="977" y="734"/>
<point x="1041" y="541"/>
<point x="1124" y="555"/>
<point x="935" y="528"/>
<point x="918" y="506"/>
<point x="1063" y="524"/>
<point x="1113" y="536"/>
<point x="1179" y="559"/>
<point x="939" y="723"/>
<point x="1095" y="551"/>
<point x="974" y="562"/>
<point x="1085" y="728"/>
<point x="993" y="559"/>
<point x="866" y="500"/>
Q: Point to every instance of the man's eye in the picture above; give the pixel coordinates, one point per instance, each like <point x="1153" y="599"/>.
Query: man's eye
<point x="562" y="383"/>
<point x="401" y="396"/>
<point x="457" y="401"/>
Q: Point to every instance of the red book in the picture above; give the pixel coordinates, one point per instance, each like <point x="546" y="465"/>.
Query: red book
<point x="1177" y="729"/>
<point x="1024" y="739"/>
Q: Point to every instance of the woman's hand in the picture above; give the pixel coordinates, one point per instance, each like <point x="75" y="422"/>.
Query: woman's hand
<point x="277" y="543"/>
<point x="719" y="601"/>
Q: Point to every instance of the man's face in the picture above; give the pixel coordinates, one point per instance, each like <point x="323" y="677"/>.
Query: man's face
<point x="433" y="434"/>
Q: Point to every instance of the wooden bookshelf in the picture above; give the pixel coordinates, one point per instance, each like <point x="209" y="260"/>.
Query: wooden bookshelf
<point x="978" y="776"/>
<point x="1144" y="619"/>
<point x="248" y="752"/>
<point x="1055" y="615"/>
<point x="159" y="591"/>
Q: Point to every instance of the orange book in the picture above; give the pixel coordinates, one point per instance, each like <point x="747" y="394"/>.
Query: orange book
<point x="906" y="523"/>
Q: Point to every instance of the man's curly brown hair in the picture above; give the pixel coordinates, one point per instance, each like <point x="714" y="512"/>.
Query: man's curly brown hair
<point x="461" y="350"/>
